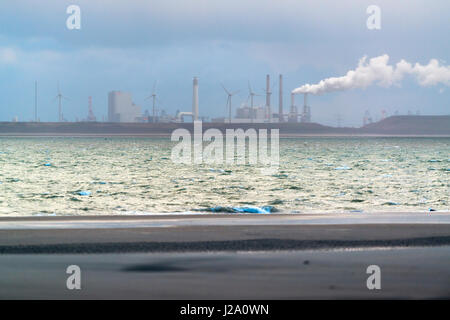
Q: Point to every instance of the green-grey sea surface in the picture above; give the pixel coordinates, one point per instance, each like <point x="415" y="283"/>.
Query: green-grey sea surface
<point x="104" y="176"/>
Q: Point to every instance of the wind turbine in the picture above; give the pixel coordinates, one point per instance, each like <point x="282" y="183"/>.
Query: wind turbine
<point x="251" y="95"/>
<point x="59" y="96"/>
<point x="230" y="94"/>
<point x="153" y="96"/>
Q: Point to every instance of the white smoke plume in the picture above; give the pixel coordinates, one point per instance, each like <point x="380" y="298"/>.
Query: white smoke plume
<point x="377" y="71"/>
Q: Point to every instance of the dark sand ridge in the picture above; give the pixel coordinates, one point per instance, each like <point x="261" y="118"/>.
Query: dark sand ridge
<point x="220" y="232"/>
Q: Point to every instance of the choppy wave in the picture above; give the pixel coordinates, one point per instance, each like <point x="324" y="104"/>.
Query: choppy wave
<point x="245" y="209"/>
<point x="89" y="176"/>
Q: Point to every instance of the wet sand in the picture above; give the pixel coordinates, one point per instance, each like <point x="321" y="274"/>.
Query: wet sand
<point x="411" y="273"/>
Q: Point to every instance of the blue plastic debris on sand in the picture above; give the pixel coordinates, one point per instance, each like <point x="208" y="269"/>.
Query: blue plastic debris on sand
<point x="84" y="193"/>
<point x="48" y="164"/>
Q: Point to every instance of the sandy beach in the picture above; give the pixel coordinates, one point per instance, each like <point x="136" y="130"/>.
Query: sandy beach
<point x="227" y="256"/>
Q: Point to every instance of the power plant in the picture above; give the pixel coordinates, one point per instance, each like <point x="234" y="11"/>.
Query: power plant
<point x="264" y="114"/>
<point x="121" y="108"/>
<point x="244" y="114"/>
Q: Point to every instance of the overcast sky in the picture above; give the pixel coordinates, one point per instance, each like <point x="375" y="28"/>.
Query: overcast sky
<point x="127" y="45"/>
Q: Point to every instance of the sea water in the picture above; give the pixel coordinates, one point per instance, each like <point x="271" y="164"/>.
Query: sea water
<point x="104" y="176"/>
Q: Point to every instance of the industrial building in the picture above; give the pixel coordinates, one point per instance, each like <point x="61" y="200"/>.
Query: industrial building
<point x="249" y="114"/>
<point x="121" y="108"/>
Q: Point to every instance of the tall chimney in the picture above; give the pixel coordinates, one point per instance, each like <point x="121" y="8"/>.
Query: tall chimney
<point x="293" y="116"/>
<point x="280" y="101"/>
<point x="195" y="100"/>
<point x="306" y="116"/>
<point x="268" y="93"/>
